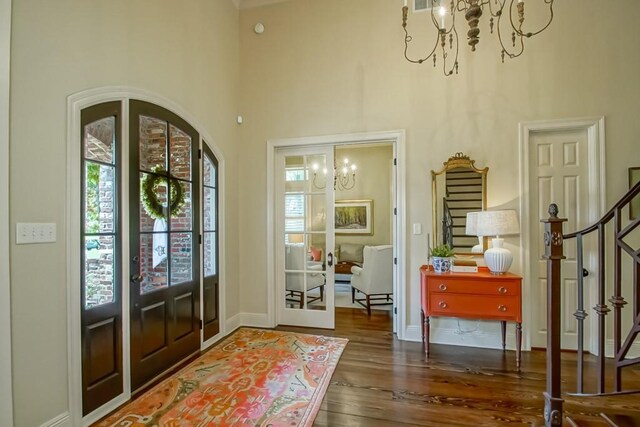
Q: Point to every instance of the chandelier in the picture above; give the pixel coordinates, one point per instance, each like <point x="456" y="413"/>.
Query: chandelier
<point x="343" y="179"/>
<point x="472" y="10"/>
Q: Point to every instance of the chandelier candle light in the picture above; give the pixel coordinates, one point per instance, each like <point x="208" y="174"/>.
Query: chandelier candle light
<point x="344" y="179"/>
<point x="472" y="10"/>
<point x="497" y="223"/>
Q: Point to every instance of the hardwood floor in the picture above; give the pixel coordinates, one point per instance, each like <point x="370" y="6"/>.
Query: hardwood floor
<point x="381" y="381"/>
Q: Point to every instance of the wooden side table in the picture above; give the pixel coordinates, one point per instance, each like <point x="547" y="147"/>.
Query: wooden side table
<point x="480" y="295"/>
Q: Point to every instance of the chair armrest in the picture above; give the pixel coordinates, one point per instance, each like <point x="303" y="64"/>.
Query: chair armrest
<point x="356" y="270"/>
<point x="314" y="267"/>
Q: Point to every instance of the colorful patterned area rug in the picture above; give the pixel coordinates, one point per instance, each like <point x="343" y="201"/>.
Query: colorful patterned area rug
<point x="252" y="378"/>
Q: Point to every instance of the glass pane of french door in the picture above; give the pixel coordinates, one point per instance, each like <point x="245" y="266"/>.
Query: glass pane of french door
<point x="304" y="234"/>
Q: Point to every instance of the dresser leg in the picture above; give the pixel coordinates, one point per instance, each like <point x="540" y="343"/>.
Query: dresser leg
<point x="518" y="344"/>
<point x="503" y="324"/>
<point x="426" y="329"/>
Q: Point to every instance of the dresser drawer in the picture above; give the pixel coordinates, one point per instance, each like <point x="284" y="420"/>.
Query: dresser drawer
<point x="458" y="286"/>
<point x="475" y="306"/>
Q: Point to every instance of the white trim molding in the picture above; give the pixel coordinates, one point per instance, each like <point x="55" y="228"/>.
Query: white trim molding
<point x="395" y="137"/>
<point x="6" y="383"/>
<point x="75" y="104"/>
<point x="62" y="420"/>
<point x="595" y="127"/>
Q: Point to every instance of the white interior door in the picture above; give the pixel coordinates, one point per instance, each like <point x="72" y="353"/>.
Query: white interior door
<point x="559" y="168"/>
<point x="304" y="243"/>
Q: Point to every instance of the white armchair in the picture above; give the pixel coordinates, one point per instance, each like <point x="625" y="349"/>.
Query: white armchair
<point x="295" y="260"/>
<point x="375" y="278"/>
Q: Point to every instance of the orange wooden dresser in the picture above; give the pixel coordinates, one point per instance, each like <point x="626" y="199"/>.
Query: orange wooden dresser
<point x="480" y="295"/>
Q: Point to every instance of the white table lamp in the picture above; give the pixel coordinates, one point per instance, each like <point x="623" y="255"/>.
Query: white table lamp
<point x="498" y="223"/>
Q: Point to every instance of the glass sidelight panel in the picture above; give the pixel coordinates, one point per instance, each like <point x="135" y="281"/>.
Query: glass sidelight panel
<point x="181" y="258"/>
<point x="99" y="270"/>
<point x="210" y="267"/>
<point x="153" y="144"/>
<point x="153" y="262"/>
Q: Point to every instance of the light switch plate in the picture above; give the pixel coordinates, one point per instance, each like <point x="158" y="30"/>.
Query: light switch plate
<point x="32" y="232"/>
<point x="417" y="228"/>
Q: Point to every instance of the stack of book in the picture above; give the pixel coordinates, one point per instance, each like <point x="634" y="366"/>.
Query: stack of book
<point x="464" y="266"/>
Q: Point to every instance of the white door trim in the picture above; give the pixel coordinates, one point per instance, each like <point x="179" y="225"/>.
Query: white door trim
<point x="75" y="104"/>
<point x="6" y="389"/>
<point x="596" y="145"/>
<point x="397" y="137"/>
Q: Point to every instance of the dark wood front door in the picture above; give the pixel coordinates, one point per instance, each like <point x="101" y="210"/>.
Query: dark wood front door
<point x="101" y="290"/>
<point x="164" y="241"/>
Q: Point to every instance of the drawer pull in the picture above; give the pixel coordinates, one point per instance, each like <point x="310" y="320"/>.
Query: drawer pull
<point x="442" y="287"/>
<point x="442" y="304"/>
<point x="502" y="308"/>
<point x="502" y="290"/>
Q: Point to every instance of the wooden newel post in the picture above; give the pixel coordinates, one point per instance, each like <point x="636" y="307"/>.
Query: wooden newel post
<point x="554" y="256"/>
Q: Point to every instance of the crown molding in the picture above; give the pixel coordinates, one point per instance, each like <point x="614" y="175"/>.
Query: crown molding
<point x="250" y="4"/>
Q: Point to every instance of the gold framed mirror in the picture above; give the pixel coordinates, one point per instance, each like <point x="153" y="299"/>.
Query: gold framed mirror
<point x="459" y="188"/>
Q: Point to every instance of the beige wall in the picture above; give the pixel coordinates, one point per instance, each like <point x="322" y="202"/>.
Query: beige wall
<point x="184" y="51"/>
<point x="373" y="178"/>
<point x="336" y="66"/>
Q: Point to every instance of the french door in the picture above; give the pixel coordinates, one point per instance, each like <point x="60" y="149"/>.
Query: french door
<point x="304" y="244"/>
<point x="101" y="285"/>
<point x="210" y="239"/>
<point x="164" y="241"/>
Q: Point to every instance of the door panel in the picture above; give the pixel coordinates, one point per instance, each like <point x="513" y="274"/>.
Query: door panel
<point x="101" y="292"/>
<point x="211" y="282"/>
<point x="164" y="226"/>
<point x="559" y="162"/>
<point x="305" y="241"/>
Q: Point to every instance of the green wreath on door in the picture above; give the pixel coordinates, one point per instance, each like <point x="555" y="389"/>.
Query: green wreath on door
<point x="149" y="184"/>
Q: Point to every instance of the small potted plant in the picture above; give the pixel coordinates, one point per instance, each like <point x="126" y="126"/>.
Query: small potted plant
<point x="441" y="258"/>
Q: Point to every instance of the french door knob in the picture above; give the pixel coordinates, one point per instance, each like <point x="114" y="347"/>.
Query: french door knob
<point x="136" y="278"/>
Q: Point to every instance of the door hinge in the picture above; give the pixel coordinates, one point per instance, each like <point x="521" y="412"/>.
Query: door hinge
<point x="395" y="211"/>
<point x="395" y="162"/>
<point x="201" y="324"/>
<point x="200" y="239"/>
<point x="395" y="261"/>
<point x="199" y="153"/>
<point x="395" y="310"/>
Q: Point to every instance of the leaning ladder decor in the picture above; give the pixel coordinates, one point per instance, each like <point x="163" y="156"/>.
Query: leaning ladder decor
<point x="554" y="240"/>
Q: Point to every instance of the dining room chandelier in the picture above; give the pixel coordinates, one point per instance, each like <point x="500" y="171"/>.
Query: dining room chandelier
<point x="444" y="16"/>
<point x="344" y="177"/>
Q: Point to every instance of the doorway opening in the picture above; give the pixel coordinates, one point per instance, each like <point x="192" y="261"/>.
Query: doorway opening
<point x="352" y="229"/>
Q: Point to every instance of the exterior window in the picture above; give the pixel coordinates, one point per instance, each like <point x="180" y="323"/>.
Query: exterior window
<point x="99" y="204"/>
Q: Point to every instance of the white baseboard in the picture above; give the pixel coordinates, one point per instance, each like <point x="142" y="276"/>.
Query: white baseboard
<point x="634" y="351"/>
<point x="62" y="420"/>
<point x="256" y="320"/>
<point x="413" y="333"/>
<point x="232" y="324"/>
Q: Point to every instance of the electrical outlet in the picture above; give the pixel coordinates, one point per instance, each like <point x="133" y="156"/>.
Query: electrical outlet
<point x="31" y="232"/>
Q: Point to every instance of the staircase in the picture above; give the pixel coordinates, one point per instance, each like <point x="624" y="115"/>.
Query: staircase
<point x="463" y="194"/>
<point x="616" y="312"/>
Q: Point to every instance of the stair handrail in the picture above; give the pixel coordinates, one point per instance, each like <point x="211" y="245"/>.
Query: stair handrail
<point x="554" y="241"/>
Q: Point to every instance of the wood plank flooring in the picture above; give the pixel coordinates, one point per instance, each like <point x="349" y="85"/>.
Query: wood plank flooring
<point x="381" y="381"/>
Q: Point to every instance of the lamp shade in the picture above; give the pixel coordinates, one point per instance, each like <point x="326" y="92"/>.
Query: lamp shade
<point x="497" y="223"/>
<point x="471" y="228"/>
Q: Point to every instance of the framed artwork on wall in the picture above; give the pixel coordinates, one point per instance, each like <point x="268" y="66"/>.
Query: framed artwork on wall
<point x="634" y="206"/>
<point x="354" y="217"/>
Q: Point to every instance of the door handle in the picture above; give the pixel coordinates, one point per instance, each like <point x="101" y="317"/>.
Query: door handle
<point x="136" y="278"/>
<point x="330" y="259"/>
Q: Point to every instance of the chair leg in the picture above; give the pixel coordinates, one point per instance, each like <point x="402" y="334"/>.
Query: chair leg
<point x="368" y="305"/>
<point x="322" y="293"/>
<point x="353" y="295"/>
<point x="302" y="297"/>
